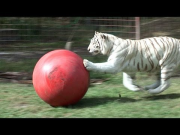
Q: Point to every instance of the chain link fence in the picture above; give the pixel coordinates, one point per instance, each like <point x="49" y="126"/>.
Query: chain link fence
<point x="16" y="31"/>
<point x="31" y="37"/>
<point x="49" y="33"/>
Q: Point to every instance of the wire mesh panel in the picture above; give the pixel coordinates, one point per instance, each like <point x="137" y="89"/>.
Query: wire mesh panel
<point x="28" y="30"/>
<point x="23" y="38"/>
<point x="123" y="27"/>
<point x="15" y="30"/>
<point x="160" y="26"/>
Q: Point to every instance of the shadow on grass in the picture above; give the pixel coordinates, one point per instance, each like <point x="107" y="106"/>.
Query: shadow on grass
<point x="95" y="101"/>
<point x="166" y="96"/>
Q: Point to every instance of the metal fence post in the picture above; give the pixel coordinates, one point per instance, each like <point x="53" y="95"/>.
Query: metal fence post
<point x="137" y="23"/>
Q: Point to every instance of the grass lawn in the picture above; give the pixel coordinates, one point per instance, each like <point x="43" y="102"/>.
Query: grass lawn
<point x="100" y="101"/>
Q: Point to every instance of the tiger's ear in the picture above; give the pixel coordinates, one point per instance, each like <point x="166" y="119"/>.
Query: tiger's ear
<point x="96" y="32"/>
<point x="103" y="36"/>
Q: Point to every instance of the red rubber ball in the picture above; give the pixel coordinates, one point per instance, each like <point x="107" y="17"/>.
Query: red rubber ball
<point x="60" y="78"/>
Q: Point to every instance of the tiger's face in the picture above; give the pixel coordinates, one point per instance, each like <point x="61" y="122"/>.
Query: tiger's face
<point x="94" y="46"/>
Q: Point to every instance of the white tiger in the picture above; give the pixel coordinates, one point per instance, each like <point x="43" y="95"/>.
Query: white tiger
<point x="157" y="54"/>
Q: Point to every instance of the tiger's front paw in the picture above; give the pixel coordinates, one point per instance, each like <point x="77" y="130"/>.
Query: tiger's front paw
<point x="87" y="64"/>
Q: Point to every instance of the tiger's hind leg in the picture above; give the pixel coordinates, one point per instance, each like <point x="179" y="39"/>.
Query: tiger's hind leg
<point x="128" y="79"/>
<point x="166" y="73"/>
<point x="156" y="84"/>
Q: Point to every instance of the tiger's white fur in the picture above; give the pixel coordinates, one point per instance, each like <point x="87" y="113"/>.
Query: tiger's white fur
<point x="156" y="54"/>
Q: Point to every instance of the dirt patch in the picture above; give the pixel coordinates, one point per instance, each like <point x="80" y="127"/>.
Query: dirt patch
<point x="21" y="105"/>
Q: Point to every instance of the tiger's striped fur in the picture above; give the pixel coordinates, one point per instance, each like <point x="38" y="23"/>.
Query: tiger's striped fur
<point x="156" y="54"/>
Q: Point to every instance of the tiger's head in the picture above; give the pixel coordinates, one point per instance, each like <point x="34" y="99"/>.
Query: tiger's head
<point x="98" y="44"/>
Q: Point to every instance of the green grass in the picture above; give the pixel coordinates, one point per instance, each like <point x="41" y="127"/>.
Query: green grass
<point x="35" y="46"/>
<point x="100" y="101"/>
<point x="18" y="66"/>
<point x="27" y="65"/>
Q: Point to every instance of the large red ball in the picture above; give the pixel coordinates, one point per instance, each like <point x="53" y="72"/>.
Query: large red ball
<point x="60" y="78"/>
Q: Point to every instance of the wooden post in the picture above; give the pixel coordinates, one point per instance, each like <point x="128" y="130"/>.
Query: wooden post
<point x="137" y="23"/>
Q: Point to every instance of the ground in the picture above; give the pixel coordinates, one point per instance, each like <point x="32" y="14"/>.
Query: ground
<point x="100" y="101"/>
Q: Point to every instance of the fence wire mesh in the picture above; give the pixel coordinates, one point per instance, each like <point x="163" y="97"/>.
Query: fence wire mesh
<point x="23" y="40"/>
<point x="15" y="30"/>
<point x="79" y="30"/>
<point x="18" y="31"/>
<point x="42" y="34"/>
